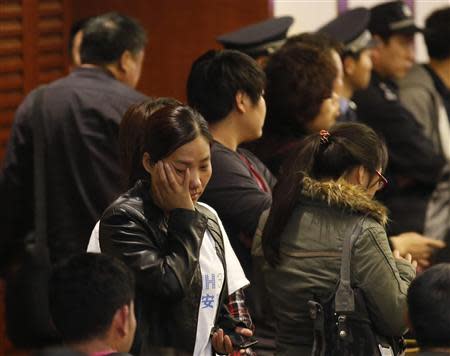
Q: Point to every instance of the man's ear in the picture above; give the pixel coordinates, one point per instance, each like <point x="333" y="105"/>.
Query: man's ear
<point x="375" y="51"/>
<point x="121" y="320"/>
<point x="147" y="163"/>
<point x="241" y="101"/>
<point x="126" y="61"/>
<point x="349" y="64"/>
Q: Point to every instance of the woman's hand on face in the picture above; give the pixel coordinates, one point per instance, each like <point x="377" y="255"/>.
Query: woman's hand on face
<point x="171" y="194"/>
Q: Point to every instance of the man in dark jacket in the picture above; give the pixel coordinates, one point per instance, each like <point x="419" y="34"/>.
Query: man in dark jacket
<point x="81" y="115"/>
<point x="227" y="88"/>
<point x="428" y="305"/>
<point x="425" y="91"/>
<point x="92" y="304"/>
<point x="414" y="167"/>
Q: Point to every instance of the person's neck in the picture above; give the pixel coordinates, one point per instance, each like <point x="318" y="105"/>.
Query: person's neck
<point x="382" y="74"/>
<point x="226" y="132"/>
<point x="108" y="68"/>
<point x="442" y="69"/>
<point x="92" y="346"/>
<point x="347" y="90"/>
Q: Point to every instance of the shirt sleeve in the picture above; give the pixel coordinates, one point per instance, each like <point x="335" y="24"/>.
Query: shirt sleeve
<point x="17" y="183"/>
<point x="235" y="274"/>
<point x="234" y="194"/>
<point x="383" y="280"/>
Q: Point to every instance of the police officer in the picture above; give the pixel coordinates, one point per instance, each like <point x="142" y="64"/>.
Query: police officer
<point x="258" y="40"/>
<point x="414" y="168"/>
<point x="350" y="29"/>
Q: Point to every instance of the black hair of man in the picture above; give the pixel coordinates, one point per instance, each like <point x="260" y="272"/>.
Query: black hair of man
<point x="217" y="76"/>
<point x="437" y="34"/>
<point x="74" y="29"/>
<point x="85" y="292"/>
<point x="429" y="306"/>
<point x="107" y="37"/>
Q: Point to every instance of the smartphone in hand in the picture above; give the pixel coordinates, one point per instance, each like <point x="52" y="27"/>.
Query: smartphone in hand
<point x="242" y="342"/>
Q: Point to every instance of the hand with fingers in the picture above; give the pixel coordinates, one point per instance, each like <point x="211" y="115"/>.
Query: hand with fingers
<point x="407" y="258"/>
<point x="169" y="192"/>
<point x="222" y="343"/>
<point x="420" y="247"/>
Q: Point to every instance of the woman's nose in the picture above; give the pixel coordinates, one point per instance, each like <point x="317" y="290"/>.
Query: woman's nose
<point x="195" y="179"/>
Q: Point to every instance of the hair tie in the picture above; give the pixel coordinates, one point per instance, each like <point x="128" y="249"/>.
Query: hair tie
<point x="324" y="135"/>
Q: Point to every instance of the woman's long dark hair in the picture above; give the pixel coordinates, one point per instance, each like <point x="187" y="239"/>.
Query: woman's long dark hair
<point x="131" y="137"/>
<point x="348" y="146"/>
<point x="159" y="127"/>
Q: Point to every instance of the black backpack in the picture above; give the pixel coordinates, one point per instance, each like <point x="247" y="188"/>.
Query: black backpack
<point x="342" y="325"/>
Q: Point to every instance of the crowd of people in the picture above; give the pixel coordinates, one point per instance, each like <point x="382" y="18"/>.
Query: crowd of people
<point x="285" y="209"/>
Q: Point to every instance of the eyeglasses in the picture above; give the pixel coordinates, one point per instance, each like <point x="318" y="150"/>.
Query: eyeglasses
<point x="382" y="181"/>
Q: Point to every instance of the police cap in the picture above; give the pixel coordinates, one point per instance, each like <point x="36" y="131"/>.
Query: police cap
<point x="350" y="29"/>
<point x="261" y="38"/>
<point x="392" y="17"/>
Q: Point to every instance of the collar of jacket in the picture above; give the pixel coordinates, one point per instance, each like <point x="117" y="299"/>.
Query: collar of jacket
<point x="344" y="195"/>
<point x="376" y="79"/>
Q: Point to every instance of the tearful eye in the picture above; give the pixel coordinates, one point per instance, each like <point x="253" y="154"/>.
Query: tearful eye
<point x="179" y="171"/>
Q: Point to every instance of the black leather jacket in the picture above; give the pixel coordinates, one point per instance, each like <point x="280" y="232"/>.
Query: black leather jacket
<point x="164" y="254"/>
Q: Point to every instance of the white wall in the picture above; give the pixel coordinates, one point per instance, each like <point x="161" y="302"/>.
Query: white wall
<point x="309" y="15"/>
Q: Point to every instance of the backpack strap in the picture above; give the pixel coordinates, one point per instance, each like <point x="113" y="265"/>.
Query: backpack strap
<point x="345" y="298"/>
<point x="216" y="233"/>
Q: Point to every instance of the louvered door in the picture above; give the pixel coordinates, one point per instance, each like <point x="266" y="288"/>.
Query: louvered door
<point x="33" y="38"/>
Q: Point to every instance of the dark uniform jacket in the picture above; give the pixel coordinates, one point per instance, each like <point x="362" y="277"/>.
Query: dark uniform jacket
<point x="310" y="259"/>
<point x="81" y="113"/>
<point x="164" y="255"/>
<point x="234" y="193"/>
<point x="414" y="167"/>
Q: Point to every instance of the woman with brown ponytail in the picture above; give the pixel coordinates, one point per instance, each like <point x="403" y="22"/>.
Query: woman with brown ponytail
<point x="331" y="183"/>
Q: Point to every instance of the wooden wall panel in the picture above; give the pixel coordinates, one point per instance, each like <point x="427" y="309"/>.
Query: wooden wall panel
<point x="33" y="37"/>
<point x="11" y="64"/>
<point x="178" y="31"/>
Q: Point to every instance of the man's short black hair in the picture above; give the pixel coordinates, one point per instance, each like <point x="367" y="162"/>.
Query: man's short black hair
<point x="217" y="76"/>
<point x="107" y="37"/>
<point x="437" y="33"/>
<point x="85" y="292"/>
<point x="429" y="306"/>
<point x="74" y="29"/>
